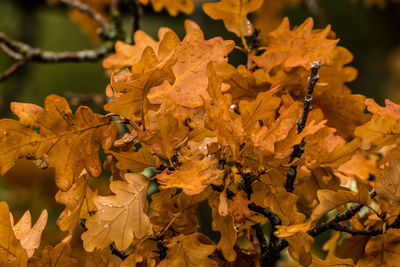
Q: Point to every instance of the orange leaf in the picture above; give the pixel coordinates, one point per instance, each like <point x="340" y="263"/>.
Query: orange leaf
<point x="70" y="142"/>
<point x="120" y="217"/>
<point x="233" y="13"/>
<point x="239" y="207"/>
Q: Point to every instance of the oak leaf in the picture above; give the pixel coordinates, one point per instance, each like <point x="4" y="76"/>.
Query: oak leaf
<point x="297" y="48"/>
<point x="131" y="96"/>
<point x="189" y="251"/>
<point x="73" y="199"/>
<point x="386" y="187"/>
<point x="382" y="250"/>
<point x="192" y="176"/>
<point x="234" y="14"/>
<point x="120" y="217"/>
<point x="289" y="230"/>
<point x="145" y="254"/>
<point x="136" y="161"/>
<point x="225" y="225"/>
<point x="332" y="261"/>
<point x="128" y="55"/>
<point x="172" y="6"/>
<point x="299" y="247"/>
<point x="12" y="253"/>
<point x="71" y="142"/>
<point x="329" y="200"/>
<point x="59" y="256"/>
<point x="164" y="129"/>
<point x="239" y="207"/>
<point x="383" y="128"/>
<point x="194" y="53"/>
<point x="29" y="235"/>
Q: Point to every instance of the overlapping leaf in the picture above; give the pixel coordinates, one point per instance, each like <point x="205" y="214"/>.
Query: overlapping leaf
<point x="68" y="142"/>
<point x="120" y="217"/>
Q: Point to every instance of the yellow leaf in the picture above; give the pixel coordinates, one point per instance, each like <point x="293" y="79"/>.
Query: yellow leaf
<point x="59" y="256"/>
<point x="172" y="6"/>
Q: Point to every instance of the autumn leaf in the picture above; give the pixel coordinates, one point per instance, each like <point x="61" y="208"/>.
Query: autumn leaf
<point x="332" y="261"/>
<point x="382" y="250"/>
<point x="244" y="84"/>
<point x="73" y="199"/>
<point x="279" y="201"/>
<point x="225" y="225"/>
<point x="29" y="235"/>
<point x="136" y="161"/>
<point x="289" y="230"/>
<point x="383" y="128"/>
<point x="189" y="251"/>
<point x="299" y="247"/>
<point x="128" y="55"/>
<point x="11" y="250"/>
<point x="263" y="108"/>
<point x="239" y="207"/>
<point x="172" y="6"/>
<point x="59" y="256"/>
<point x="192" y="176"/>
<point x="194" y="53"/>
<point x="120" y="217"/>
<point x="234" y="14"/>
<point x="70" y="142"/>
<point x="145" y="254"/>
<point x="98" y="258"/>
<point x="329" y="200"/>
<point x="131" y="96"/>
<point x="164" y="129"/>
<point x="386" y="187"/>
<point x="298" y="47"/>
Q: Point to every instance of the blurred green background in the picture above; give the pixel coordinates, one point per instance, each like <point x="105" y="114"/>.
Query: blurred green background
<point x="371" y="33"/>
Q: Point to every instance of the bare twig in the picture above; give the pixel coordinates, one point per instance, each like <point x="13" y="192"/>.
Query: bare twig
<point x="23" y="53"/>
<point x="10" y="71"/>
<point x="89" y="11"/>
<point x="301" y="123"/>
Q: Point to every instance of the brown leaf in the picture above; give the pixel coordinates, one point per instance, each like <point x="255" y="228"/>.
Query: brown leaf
<point x="224" y="225"/>
<point x="382" y="250"/>
<point x="172" y="6"/>
<point x="131" y="96"/>
<point x="329" y="200"/>
<point x="73" y="199"/>
<point x="120" y="217"/>
<point x="332" y="261"/>
<point x="59" y="256"/>
<point x="71" y="142"/>
<point x="239" y="207"/>
<point x="233" y="13"/>
<point x="11" y="251"/>
<point x="189" y="251"/>
<point x="299" y="247"/>
<point x="383" y="129"/>
<point x="30" y="236"/>
<point x="194" y="53"/>
<point x="386" y="187"/>
<point x="136" y="161"/>
<point x="297" y="48"/>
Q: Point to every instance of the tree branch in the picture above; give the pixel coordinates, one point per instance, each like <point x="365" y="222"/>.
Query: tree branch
<point x="23" y="53"/>
<point x="105" y="26"/>
<point x="301" y="123"/>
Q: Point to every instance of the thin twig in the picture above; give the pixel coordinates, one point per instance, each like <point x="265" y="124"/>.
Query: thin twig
<point x="89" y="11"/>
<point x="10" y="71"/>
<point x="263" y="244"/>
<point x="121" y="254"/>
<point x="301" y="123"/>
